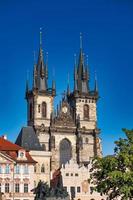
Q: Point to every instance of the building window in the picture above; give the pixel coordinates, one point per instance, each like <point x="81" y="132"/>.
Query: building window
<point x="78" y="189"/>
<point x="42" y="168"/>
<point x="76" y="174"/>
<point x="67" y="174"/>
<point x="6" y="187"/>
<point x="86" y="111"/>
<point x="26" y="170"/>
<point x="0" y="169"/>
<point x="65" y="188"/>
<point x="17" y="169"/>
<point x="7" y="170"/>
<point x="39" y="108"/>
<point x="25" y="188"/>
<point x="17" y="187"/>
<point x="44" y="109"/>
<point x="71" y="174"/>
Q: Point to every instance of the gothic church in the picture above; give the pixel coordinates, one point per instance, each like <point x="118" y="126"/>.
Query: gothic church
<point x="70" y="131"/>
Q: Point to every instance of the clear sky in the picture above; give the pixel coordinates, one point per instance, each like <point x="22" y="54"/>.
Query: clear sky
<point x="107" y="28"/>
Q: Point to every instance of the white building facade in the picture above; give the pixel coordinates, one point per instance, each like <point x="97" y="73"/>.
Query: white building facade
<point x="16" y="172"/>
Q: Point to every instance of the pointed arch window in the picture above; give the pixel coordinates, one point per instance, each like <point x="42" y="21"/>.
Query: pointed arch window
<point x="86" y="111"/>
<point x="44" y="109"/>
<point x="42" y="168"/>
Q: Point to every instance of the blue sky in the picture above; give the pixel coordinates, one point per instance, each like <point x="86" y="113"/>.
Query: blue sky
<point x="107" y="28"/>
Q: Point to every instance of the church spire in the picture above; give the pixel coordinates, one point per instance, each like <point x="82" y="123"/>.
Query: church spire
<point x="68" y="86"/>
<point x="75" y="73"/>
<point x="82" y="82"/>
<point x="27" y="85"/>
<point x="53" y="88"/>
<point x="96" y="85"/>
<point x="81" y="42"/>
<point x="35" y="86"/>
<point x="41" y="68"/>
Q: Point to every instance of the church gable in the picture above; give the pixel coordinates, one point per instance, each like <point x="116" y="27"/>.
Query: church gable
<point x="64" y="116"/>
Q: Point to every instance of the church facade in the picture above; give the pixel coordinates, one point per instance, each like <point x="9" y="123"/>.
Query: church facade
<point x="70" y="131"/>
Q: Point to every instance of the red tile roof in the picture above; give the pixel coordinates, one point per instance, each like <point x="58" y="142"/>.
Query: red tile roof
<point x="6" y="145"/>
<point x="11" y="150"/>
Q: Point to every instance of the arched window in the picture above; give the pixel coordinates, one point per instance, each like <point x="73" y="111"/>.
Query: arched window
<point x="65" y="151"/>
<point x="44" y="109"/>
<point x="30" y="110"/>
<point x="42" y="168"/>
<point x="86" y="111"/>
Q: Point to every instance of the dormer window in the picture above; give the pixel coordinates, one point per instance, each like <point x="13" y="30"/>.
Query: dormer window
<point x="21" y="154"/>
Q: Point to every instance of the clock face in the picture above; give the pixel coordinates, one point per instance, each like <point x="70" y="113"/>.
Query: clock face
<point x="64" y="109"/>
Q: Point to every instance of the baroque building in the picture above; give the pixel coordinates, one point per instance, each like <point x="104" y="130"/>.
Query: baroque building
<point x="69" y="132"/>
<point x="16" y="171"/>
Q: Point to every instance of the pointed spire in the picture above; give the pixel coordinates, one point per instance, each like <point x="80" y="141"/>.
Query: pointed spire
<point x="27" y="86"/>
<point x="75" y="73"/>
<point x="81" y="42"/>
<point x="68" y="86"/>
<point x="83" y="72"/>
<point x="53" y="88"/>
<point x="46" y="68"/>
<point x="40" y="58"/>
<point x="96" y="85"/>
<point x="40" y="37"/>
<point x="35" y="73"/>
<point x="57" y="110"/>
<point x="81" y="60"/>
<point x="87" y="68"/>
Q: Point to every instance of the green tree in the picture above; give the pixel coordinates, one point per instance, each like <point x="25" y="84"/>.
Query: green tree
<point x="113" y="175"/>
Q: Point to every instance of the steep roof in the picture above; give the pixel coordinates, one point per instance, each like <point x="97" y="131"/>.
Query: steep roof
<point x="27" y="139"/>
<point x="11" y="150"/>
<point x="6" y="145"/>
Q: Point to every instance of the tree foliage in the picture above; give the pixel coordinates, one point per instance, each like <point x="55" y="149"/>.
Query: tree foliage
<point x="113" y="175"/>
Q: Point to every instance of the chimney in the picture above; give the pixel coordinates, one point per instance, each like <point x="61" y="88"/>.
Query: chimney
<point x="5" y="137"/>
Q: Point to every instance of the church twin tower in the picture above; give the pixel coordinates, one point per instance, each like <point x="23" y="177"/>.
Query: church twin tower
<point x="71" y="131"/>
